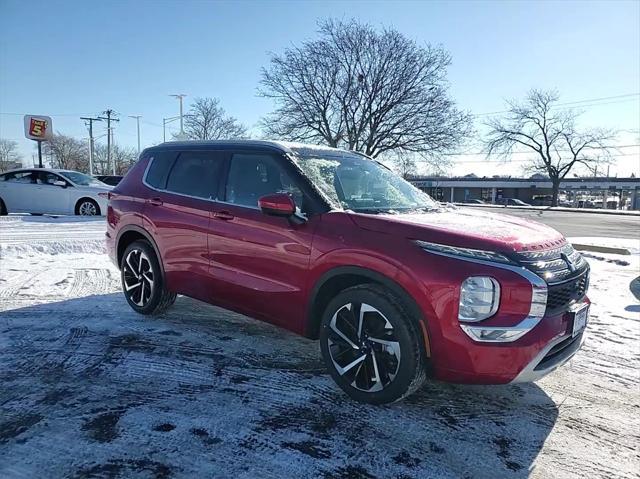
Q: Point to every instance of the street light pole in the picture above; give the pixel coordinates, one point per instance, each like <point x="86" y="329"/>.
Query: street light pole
<point x="137" y="117"/>
<point x="180" y="97"/>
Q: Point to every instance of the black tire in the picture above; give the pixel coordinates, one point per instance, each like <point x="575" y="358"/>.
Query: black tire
<point x="3" y="208"/>
<point x="399" y="373"/>
<point x="140" y="264"/>
<point x="85" y="204"/>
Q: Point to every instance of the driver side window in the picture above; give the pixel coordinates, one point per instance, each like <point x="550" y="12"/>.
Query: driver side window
<point x="252" y="175"/>
<point x="48" y="178"/>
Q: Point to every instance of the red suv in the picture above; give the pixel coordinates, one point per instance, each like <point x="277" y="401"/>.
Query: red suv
<point x="332" y="245"/>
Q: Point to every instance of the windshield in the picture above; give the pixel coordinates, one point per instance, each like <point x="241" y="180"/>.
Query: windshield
<point x="360" y="184"/>
<point x="81" y="179"/>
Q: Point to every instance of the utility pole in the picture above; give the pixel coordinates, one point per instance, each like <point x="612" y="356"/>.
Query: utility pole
<point x="164" y="126"/>
<point x="180" y="97"/>
<point x="137" y="117"/>
<point x="91" y="147"/>
<point x="110" y="117"/>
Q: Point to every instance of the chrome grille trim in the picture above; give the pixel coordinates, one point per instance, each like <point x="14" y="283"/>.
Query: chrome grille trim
<point x="555" y="266"/>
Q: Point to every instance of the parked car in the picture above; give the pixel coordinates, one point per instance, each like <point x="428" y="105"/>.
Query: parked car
<point x="51" y="191"/>
<point x="111" y="180"/>
<point x="475" y="201"/>
<point x="332" y="245"/>
<point x="511" y="202"/>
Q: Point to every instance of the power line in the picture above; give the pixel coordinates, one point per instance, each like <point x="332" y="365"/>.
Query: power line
<point x="50" y="114"/>
<point x="611" y="147"/>
<point x="521" y="160"/>
<point x="589" y="101"/>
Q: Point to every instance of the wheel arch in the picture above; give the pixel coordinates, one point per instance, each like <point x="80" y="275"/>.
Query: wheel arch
<point x="342" y="277"/>
<point x="131" y="233"/>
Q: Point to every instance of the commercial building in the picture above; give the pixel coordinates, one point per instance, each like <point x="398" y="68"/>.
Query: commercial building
<point x="612" y="193"/>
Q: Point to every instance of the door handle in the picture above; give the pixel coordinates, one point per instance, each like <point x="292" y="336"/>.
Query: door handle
<point x="223" y="215"/>
<point x="155" y="202"/>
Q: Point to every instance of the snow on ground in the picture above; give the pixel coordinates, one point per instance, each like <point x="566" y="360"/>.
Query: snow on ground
<point x="90" y="389"/>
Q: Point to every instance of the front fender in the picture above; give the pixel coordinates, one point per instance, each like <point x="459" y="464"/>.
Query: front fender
<point x="376" y="268"/>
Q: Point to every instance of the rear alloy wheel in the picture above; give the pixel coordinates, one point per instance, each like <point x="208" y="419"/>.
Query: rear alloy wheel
<point x="138" y="277"/>
<point x="142" y="282"/>
<point x="88" y="208"/>
<point x="371" y="345"/>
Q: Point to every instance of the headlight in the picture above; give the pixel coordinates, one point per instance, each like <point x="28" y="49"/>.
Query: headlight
<point x="470" y="253"/>
<point x="479" y="298"/>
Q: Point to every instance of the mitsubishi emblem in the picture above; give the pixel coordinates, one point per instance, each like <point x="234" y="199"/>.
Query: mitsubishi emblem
<point x="570" y="264"/>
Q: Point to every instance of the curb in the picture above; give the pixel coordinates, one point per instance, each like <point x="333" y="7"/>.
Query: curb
<point x="601" y="249"/>
<point x="543" y="209"/>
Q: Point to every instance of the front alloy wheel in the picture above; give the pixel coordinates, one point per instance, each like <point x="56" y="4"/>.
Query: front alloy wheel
<point x="88" y="208"/>
<point x="372" y="345"/>
<point x="363" y="347"/>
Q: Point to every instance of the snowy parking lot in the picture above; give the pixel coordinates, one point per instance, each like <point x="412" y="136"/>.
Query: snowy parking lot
<point x="88" y="388"/>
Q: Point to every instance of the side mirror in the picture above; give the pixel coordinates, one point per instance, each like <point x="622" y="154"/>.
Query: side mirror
<point x="278" y="204"/>
<point x="61" y="183"/>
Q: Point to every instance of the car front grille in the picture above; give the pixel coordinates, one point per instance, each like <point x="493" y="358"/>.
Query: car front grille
<point x="565" y="271"/>
<point x="561" y="296"/>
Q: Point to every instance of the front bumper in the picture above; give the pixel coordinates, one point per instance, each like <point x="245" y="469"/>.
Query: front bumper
<point x="554" y="355"/>
<point x="539" y="352"/>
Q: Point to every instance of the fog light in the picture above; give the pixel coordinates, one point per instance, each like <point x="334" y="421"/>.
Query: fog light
<point x="496" y="335"/>
<point x="479" y="298"/>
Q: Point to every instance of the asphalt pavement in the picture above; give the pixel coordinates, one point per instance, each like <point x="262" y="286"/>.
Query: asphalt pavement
<point x="572" y="224"/>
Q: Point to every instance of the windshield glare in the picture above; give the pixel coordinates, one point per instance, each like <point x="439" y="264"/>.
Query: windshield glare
<point x="360" y="184"/>
<point x="81" y="179"/>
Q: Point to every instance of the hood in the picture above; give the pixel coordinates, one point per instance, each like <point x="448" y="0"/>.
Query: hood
<point x="467" y="228"/>
<point x="94" y="189"/>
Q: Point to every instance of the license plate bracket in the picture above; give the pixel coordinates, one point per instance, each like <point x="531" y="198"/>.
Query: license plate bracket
<point x="580" y="317"/>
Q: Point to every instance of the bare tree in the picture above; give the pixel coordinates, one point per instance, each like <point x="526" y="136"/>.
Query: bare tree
<point x="537" y="125"/>
<point x="66" y="152"/>
<point x="9" y="155"/>
<point x="207" y="120"/>
<point x="124" y="158"/>
<point x="363" y="89"/>
<point x="405" y="164"/>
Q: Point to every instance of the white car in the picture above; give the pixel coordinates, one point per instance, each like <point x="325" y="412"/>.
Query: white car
<point x="50" y="191"/>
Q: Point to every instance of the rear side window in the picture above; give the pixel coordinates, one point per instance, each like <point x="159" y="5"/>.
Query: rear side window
<point x="196" y="173"/>
<point x="20" y="177"/>
<point x="160" y="165"/>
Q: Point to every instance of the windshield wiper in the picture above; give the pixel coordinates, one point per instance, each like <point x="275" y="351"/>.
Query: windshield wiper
<point x="370" y="211"/>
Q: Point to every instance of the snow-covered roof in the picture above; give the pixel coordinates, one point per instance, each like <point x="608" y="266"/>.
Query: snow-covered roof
<point x="286" y="146"/>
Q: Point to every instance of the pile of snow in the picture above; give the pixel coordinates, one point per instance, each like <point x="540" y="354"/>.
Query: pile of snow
<point x="25" y="236"/>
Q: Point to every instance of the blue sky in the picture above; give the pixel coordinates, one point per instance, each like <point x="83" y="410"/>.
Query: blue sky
<point x="67" y="59"/>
